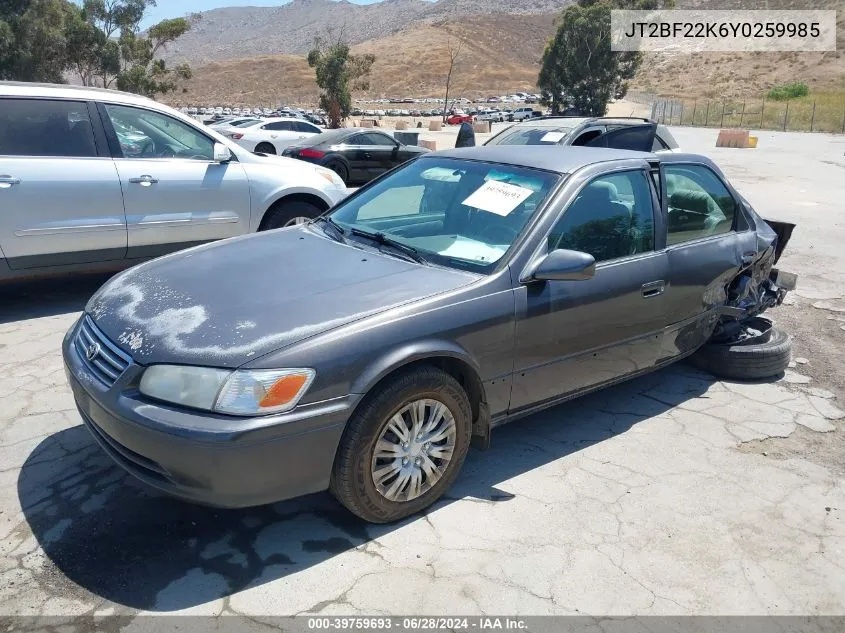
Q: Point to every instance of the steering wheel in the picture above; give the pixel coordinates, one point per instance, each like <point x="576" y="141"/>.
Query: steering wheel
<point x="498" y="234"/>
<point x="167" y="152"/>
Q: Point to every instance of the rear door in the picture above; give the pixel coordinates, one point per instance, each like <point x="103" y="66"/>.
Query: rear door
<point x="175" y="194"/>
<point x="60" y="196"/>
<point x="706" y="242"/>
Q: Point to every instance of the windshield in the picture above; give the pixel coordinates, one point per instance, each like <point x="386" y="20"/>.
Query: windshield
<point x="458" y="213"/>
<point x="523" y="135"/>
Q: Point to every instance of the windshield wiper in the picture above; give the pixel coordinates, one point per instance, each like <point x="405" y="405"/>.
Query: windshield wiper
<point x="382" y="239"/>
<point x="339" y="231"/>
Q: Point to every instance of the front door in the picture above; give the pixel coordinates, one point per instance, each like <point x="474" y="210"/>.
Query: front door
<point x="383" y="153"/>
<point x="175" y="194"/>
<point x="572" y="335"/>
<point x="60" y="198"/>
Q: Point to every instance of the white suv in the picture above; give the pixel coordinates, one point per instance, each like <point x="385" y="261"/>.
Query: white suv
<point x="521" y="114"/>
<point x="98" y="179"/>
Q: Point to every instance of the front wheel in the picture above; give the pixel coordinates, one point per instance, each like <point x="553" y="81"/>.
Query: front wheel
<point x="289" y="213"/>
<point x="404" y="446"/>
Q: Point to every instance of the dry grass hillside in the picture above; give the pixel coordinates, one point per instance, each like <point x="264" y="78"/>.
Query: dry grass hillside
<point x="499" y="54"/>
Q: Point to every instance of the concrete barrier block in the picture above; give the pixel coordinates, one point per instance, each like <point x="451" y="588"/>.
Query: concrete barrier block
<point x="367" y="123"/>
<point x="432" y="145"/>
<point x="733" y="138"/>
<point x="435" y="126"/>
<point x="481" y="127"/>
<point x="401" y="125"/>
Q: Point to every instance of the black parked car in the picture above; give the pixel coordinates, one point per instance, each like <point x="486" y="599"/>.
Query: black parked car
<point x="356" y="154"/>
<point x="363" y="351"/>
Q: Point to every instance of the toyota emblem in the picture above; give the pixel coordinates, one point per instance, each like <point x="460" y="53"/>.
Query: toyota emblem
<point x="92" y="352"/>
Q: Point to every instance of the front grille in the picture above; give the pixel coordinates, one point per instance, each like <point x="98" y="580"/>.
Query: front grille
<point x="102" y="357"/>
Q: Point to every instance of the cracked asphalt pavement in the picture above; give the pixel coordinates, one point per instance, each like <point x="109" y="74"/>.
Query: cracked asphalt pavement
<point x="675" y="493"/>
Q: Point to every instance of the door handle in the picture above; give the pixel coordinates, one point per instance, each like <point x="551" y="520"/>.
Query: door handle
<point x="653" y="289"/>
<point x="7" y="182"/>
<point x="145" y="181"/>
<point x="367" y="155"/>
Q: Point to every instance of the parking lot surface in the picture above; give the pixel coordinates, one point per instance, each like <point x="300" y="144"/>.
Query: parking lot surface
<point x="674" y="493"/>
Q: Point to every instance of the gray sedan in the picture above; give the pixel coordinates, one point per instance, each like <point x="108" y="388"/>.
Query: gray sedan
<point x="364" y="352"/>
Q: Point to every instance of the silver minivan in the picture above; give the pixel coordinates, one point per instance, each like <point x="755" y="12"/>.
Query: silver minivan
<point x="98" y="179"/>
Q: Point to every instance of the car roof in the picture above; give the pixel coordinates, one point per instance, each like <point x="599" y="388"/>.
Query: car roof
<point x="562" y="160"/>
<point x="67" y="91"/>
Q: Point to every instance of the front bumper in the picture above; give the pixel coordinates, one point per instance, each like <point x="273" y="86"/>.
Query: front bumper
<point x="205" y="457"/>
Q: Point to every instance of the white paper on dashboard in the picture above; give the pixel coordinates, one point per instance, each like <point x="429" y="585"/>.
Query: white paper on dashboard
<point x="497" y="197"/>
<point x="553" y="137"/>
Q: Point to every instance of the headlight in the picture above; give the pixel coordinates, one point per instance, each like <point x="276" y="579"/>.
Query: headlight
<point x="242" y="392"/>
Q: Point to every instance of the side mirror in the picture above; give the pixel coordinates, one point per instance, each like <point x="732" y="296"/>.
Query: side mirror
<point x="222" y="154"/>
<point x="561" y="265"/>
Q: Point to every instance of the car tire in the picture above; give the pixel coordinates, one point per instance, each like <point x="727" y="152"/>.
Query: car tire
<point x="340" y="170"/>
<point x="289" y="213"/>
<point x="265" y="148"/>
<point x="754" y="361"/>
<point x="353" y="479"/>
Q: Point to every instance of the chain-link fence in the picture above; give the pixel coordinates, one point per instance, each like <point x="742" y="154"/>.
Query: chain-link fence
<point x="804" y="115"/>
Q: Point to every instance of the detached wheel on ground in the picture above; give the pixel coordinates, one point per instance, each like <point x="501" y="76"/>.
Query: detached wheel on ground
<point x="760" y="356"/>
<point x="404" y="446"/>
<point x="265" y="148"/>
<point x="288" y="213"/>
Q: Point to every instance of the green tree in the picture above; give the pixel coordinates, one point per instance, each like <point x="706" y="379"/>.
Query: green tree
<point x="338" y="72"/>
<point x="33" y="40"/>
<point x="143" y="72"/>
<point x="578" y="65"/>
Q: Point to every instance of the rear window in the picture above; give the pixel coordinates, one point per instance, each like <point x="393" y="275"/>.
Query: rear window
<point x="43" y="127"/>
<point x="524" y="135"/>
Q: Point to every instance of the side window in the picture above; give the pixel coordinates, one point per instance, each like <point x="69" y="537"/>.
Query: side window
<point x="40" y="127"/>
<point x="699" y="204"/>
<point x="611" y="217"/>
<point x="358" y="139"/>
<point x="586" y="137"/>
<point x="380" y="140"/>
<point x="657" y="145"/>
<point x="147" y="134"/>
<point x="301" y="126"/>
<point x="276" y="126"/>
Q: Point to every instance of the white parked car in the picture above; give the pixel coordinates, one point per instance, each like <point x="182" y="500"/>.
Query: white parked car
<point x="521" y="114"/>
<point x="273" y="136"/>
<point x="224" y="127"/>
<point x="490" y="115"/>
<point x="99" y="179"/>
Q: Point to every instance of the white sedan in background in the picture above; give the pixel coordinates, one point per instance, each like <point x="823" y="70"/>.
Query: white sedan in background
<point x="273" y="136"/>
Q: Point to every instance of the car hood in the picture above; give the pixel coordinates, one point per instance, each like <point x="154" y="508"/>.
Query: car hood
<point x="230" y="302"/>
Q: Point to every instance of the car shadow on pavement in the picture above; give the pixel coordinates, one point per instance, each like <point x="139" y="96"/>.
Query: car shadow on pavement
<point x="113" y="537"/>
<point x="21" y="300"/>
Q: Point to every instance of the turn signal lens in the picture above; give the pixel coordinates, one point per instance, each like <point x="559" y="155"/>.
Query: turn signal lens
<point x="283" y="391"/>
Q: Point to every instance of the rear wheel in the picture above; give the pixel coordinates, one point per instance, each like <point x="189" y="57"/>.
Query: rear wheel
<point x="340" y="170"/>
<point x="265" y="148"/>
<point x="762" y="354"/>
<point x="404" y="446"/>
<point x="289" y="213"/>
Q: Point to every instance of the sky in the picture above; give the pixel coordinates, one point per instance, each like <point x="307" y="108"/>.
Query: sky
<point x="178" y="8"/>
